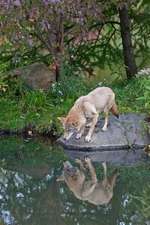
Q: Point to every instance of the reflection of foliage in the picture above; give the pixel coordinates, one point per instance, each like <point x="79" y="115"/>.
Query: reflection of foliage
<point x="120" y="210"/>
<point x="39" y="200"/>
<point x="142" y="202"/>
<point x="26" y="152"/>
<point x="28" y="199"/>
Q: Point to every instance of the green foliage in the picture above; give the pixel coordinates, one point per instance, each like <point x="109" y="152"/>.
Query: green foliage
<point x="10" y="115"/>
<point x="68" y="88"/>
<point x="140" y="14"/>
<point x="40" y="26"/>
<point x="21" y="107"/>
<point x="134" y="96"/>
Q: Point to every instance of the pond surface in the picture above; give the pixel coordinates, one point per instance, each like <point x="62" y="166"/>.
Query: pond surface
<point x="30" y="194"/>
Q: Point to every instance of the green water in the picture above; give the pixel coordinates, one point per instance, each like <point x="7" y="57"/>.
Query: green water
<point x="30" y="195"/>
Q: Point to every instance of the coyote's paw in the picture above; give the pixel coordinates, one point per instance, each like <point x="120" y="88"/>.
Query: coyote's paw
<point x="87" y="159"/>
<point x="78" y="161"/>
<point x="104" y="164"/>
<point x="78" y="136"/>
<point x="104" y="128"/>
<point x="88" y="138"/>
<point x="88" y="125"/>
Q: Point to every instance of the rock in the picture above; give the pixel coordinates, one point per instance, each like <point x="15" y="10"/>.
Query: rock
<point x="117" y="157"/>
<point x="36" y="76"/>
<point x="129" y="131"/>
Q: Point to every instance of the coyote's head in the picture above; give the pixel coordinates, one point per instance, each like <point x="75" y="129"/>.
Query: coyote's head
<point x="70" y="125"/>
<point x="71" y="175"/>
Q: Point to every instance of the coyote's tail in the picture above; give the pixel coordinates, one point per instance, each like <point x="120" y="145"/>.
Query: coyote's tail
<point x="114" y="110"/>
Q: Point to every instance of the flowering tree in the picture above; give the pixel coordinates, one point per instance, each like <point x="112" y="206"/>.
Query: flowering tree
<point x="61" y="25"/>
<point x="50" y="22"/>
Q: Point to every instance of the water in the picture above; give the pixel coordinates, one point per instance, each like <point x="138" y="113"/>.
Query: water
<point x="30" y="195"/>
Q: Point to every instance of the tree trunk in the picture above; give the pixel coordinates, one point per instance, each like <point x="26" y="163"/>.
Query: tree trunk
<point x="58" y="64"/>
<point x="129" y="59"/>
<point x="57" y="72"/>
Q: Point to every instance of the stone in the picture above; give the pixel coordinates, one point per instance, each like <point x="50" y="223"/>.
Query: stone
<point x="130" y="131"/>
<point x="36" y="76"/>
<point x="115" y="157"/>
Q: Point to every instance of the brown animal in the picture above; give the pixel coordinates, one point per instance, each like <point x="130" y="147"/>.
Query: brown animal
<point x="91" y="190"/>
<point x="87" y="107"/>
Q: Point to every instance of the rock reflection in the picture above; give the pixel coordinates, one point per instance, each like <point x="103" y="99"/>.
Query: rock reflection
<point x="88" y="189"/>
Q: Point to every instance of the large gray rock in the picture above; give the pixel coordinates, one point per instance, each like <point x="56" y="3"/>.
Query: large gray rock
<point x="36" y="76"/>
<point x="129" y="131"/>
<point x="124" y="157"/>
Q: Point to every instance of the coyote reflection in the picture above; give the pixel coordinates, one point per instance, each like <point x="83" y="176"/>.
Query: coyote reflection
<point x="91" y="190"/>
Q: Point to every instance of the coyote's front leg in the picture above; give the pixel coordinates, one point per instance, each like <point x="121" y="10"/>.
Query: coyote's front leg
<point x="81" y="130"/>
<point x="79" y="135"/>
<point x="91" y="170"/>
<point x="79" y="161"/>
<point x="91" y="130"/>
<point x="105" y="181"/>
<point x="106" y="122"/>
<point x="90" y="185"/>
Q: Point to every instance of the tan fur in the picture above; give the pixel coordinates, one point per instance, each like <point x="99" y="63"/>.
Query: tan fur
<point x="114" y="110"/>
<point x="87" y="107"/>
<point x="91" y="190"/>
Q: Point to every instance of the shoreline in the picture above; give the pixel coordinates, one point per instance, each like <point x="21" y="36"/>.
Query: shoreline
<point x="27" y="133"/>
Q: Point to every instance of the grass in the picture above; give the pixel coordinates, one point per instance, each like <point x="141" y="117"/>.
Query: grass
<point x="134" y="95"/>
<point x="21" y="107"/>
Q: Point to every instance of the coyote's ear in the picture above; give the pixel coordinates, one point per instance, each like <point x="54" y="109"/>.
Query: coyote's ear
<point x="62" y="119"/>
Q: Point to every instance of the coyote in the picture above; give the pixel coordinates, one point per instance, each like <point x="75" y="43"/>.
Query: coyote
<point x="91" y="190"/>
<point x="88" y="107"/>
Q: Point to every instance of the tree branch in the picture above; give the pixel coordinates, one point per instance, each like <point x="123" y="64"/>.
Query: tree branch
<point x="104" y="23"/>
